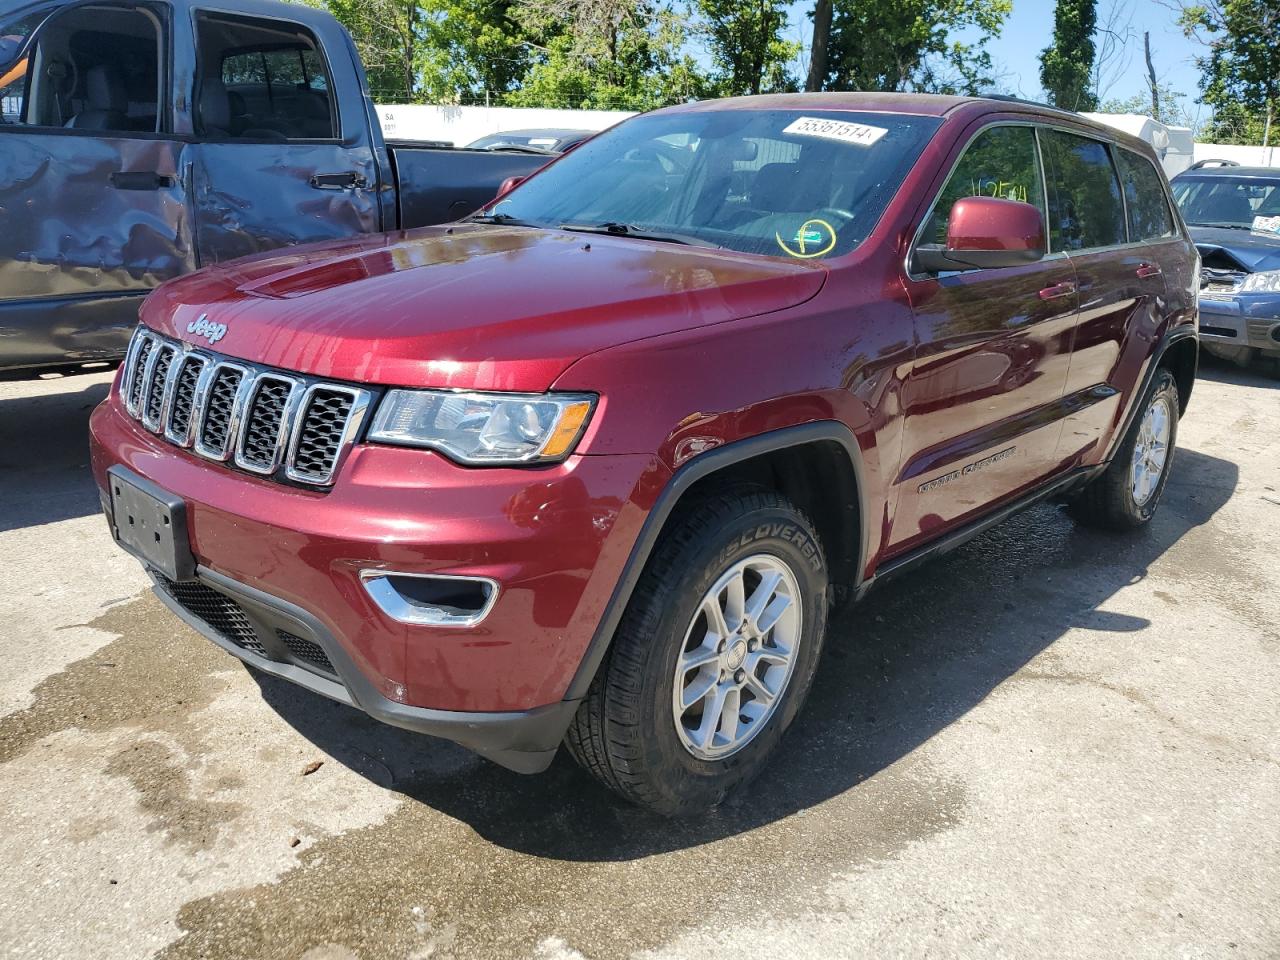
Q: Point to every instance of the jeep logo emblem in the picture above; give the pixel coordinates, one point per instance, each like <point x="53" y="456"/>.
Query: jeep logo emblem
<point x="201" y="327"/>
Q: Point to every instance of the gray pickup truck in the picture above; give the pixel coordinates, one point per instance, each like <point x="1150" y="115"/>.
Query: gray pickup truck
<point x="143" y="139"/>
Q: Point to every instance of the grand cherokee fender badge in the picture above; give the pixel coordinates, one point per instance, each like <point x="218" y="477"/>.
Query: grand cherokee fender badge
<point x="967" y="469"/>
<point x="201" y="327"/>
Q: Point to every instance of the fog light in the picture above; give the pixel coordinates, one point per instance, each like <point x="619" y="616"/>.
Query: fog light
<point x="431" y="599"/>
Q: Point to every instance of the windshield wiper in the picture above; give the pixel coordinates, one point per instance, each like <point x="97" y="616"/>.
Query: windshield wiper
<point x="1218" y="223"/>
<point x="504" y="218"/>
<point x="618" y="229"/>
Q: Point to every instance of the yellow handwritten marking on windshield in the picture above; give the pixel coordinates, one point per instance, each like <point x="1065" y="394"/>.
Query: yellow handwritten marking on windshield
<point x="802" y="240"/>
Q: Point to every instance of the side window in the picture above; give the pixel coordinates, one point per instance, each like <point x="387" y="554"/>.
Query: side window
<point x="1085" y="209"/>
<point x="261" y="81"/>
<point x="999" y="162"/>
<point x="88" y="68"/>
<point x="1149" y="217"/>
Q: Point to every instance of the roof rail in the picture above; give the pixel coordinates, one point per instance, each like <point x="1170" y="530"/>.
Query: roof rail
<point x="1199" y="164"/>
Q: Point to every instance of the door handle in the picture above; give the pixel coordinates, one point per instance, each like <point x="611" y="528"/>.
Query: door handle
<point x="338" y="181"/>
<point x="1063" y="289"/>
<point x="1148" y="270"/>
<point x="146" y="180"/>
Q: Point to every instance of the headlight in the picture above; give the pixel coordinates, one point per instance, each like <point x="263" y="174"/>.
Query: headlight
<point x="484" y="428"/>
<point x="1268" y="281"/>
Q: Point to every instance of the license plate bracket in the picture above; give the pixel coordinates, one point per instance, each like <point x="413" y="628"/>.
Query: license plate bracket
<point x="150" y="523"/>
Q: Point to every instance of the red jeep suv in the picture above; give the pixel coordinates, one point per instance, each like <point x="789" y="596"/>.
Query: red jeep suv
<point x="593" y="464"/>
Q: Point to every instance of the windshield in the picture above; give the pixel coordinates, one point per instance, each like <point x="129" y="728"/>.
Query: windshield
<point x="782" y="183"/>
<point x="1226" y="201"/>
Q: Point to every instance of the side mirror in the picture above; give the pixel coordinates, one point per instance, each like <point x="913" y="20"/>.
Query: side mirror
<point x="986" y="232"/>
<point x="508" y="185"/>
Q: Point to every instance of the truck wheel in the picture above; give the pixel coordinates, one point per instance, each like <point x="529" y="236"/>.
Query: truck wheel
<point x="714" y="655"/>
<point x="1126" y="495"/>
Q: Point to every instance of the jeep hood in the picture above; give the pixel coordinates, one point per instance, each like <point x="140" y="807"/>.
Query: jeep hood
<point x="470" y="306"/>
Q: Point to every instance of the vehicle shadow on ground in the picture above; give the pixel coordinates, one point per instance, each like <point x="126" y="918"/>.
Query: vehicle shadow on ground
<point x="917" y="655"/>
<point x="44" y="455"/>
<point x="1225" y="371"/>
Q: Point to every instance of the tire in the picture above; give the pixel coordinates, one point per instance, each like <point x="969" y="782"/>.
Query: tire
<point x="625" y="732"/>
<point x="1116" y="500"/>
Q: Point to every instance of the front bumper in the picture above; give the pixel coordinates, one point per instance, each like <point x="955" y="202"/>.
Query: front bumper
<point x="1242" y="320"/>
<point x="555" y="539"/>
<point x="521" y="740"/>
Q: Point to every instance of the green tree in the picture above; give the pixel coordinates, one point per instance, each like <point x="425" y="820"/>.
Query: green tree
<point x="745" y="39"/>
<point x="469" y="50"/>
<point x="1173" y="110"/>
<point x="606" y="54"/>
<point x="1240" y="74"/>
<point x="387" y="33"/>
<point x="1066" y="67"/>
<point x="909" y="45"/>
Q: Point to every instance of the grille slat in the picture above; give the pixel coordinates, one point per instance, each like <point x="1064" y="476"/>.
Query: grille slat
<point x="157" y="381"/>
<point x="321" y="431"/>
<point x="262" y="438"/>
<point x="267" y="422"/>
<point x="138" y="374"/>
<point x="215" y="422"/>
<point x="178" y="429"/>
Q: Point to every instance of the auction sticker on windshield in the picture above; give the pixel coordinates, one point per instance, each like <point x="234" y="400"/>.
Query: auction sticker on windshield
<point x="842" y="130"/>
<point x="1269" y="225"/>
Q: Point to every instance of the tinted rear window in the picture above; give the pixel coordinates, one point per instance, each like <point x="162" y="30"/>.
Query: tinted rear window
<point x="1149" y="216"/>
<point x="1085" y="209"/>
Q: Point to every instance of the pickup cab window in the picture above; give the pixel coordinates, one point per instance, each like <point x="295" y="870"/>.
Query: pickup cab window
<point x="261" y="81"/>
<point x="88" y="68"/>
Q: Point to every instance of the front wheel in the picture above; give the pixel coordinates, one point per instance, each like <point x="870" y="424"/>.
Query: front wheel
<point x="713" y="657"/>
<point x="1125" y="496"/>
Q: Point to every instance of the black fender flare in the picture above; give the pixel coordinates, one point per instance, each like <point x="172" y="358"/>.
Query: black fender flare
<point x="1171" y="336"/>
<point x="701" y="466"/>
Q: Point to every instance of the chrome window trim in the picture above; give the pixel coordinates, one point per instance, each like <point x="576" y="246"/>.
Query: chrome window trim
<point x="361" y="400"/>
<point x="1038" y="126"/>
<point x="282" y="432"/>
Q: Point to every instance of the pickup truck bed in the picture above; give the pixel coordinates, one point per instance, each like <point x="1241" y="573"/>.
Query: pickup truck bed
<point x="108" y="189"/>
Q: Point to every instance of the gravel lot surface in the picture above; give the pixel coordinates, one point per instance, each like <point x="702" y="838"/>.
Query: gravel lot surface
<point x="1050" y="743"/>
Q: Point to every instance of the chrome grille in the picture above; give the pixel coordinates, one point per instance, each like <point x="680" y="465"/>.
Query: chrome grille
<point x="265" y="421"/>
<point x="156" y="378"/>
<point x="217" y="412"/>
<point x="178" y="428"/>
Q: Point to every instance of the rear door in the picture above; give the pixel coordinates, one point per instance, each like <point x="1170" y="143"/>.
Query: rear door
<point x="983" y="399"/>
<point x="93" y="208"/>
<point x="1121" y="284"/>
<point x="284" y="153"/>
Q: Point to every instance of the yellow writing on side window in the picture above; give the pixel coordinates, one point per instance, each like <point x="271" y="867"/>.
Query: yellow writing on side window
<point x="1000" y="189"/>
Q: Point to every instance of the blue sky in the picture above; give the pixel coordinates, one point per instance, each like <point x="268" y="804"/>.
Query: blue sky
<point x="1029" y="29"/>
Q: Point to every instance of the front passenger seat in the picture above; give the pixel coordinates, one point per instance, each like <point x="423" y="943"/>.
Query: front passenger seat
<point x="107" y="99"/>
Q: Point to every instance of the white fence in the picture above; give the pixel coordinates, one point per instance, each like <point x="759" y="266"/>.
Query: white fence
<point x="1245" y="156"/>
<point x="462" y="125"/>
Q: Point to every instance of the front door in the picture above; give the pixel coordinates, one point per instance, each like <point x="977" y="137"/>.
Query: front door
<point x="273" y="164"/>
<point x="983" y="400"/>
<point x="93" y="208"/>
